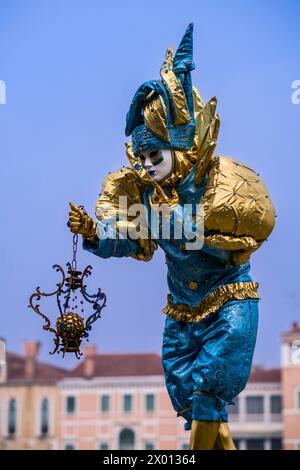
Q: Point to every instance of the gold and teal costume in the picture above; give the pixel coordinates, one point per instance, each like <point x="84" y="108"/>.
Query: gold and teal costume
<point x="212" y="310"/>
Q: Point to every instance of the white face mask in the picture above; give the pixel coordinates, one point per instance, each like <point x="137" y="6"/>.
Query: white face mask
<point x="157" y="163"/>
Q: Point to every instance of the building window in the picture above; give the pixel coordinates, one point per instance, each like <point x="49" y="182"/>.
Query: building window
<point x="234" y="409"/>
<point x="150" y="402"/>
<point x="255" y="405"/>
<point x="103" y="446"/>
<point x="12" y="417"/>
<point x="105" y="403"/>
<point x="276" y="404"/>
<point x="127" y="403"/>
<point x="126" y="439"/>
<point x="276" y="444"/>
<point x="69" y="446"/>
<point x="70" y="404"/>
<point x="149" y="446"/>
<point x="255" y="444"/>
<point x="44" y="414"/>
<point x="185" y="446"/>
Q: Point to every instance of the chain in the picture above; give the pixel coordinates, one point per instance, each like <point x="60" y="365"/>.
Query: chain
<point x="75" y="243"/>
<point x="74" y="260"/>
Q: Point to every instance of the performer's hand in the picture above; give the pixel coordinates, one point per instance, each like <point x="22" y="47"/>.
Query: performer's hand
<point x="80" y="222"/>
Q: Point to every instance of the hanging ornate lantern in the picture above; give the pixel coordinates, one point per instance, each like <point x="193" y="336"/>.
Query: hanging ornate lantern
<point x="71" y="297"/>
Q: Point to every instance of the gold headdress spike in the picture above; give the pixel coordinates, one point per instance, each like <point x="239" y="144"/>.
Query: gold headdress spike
<point x="175" y="91"/>
<point x="207" y="130"/>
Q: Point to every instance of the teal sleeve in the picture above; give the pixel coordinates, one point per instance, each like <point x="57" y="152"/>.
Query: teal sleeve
<point x="110" y="243"/>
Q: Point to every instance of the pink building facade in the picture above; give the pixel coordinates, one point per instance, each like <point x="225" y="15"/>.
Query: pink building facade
<point x="28" y="400"/>
<point x="119" y="401"/>
<point x="290" y="359"/>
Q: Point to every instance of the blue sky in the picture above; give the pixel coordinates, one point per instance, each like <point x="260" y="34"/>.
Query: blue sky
<point x="71" y="68"/>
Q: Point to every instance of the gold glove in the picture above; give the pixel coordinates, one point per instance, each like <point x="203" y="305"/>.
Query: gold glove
<point x="80" y="222"/>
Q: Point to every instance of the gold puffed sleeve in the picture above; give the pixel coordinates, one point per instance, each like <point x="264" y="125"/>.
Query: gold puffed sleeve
<point x="119" y="184"/>
<point x="237" y="208"/>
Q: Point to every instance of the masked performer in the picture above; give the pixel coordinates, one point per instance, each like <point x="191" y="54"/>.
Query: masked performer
<point x="212" y="310"/>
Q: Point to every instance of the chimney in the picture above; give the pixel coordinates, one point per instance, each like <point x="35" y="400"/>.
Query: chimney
<point x="89" y="364"/>
<point x="295" y="327"/>
<point x="31" y="350"/>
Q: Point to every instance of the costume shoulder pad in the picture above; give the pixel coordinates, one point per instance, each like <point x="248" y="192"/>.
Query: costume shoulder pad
<point x="238" y="210"/>
<point x="122" y="182"/>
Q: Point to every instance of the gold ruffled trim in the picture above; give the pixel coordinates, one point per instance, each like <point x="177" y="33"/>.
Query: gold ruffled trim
<point x="212" y="303"/>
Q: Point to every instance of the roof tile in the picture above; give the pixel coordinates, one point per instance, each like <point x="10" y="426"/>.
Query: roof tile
<point x="122" y="365"/>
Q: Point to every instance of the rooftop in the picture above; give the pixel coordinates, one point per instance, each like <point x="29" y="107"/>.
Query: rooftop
<point x="23" y="368"/>
<point x="262" y="375"/>
<point x="121" y="365"/>
<point x="17" y="370"/>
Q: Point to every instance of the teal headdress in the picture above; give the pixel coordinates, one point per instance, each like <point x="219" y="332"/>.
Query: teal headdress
<point x="161" y="114"/>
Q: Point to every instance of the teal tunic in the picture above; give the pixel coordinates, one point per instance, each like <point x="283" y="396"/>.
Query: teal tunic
<point x="206" y="363"/>
<point x="208" y="267"/>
